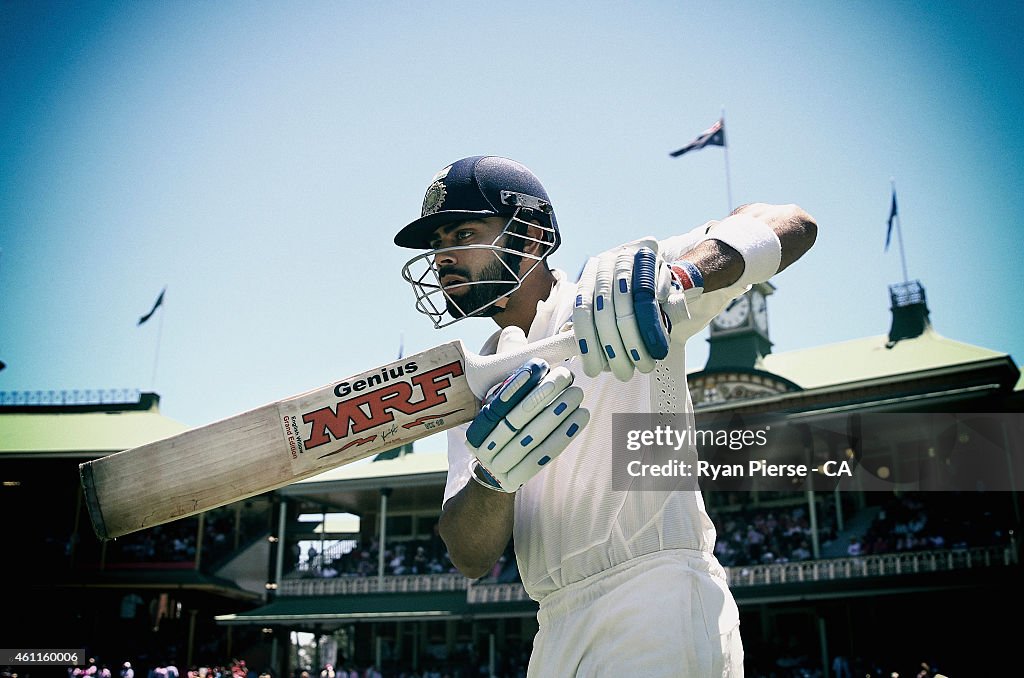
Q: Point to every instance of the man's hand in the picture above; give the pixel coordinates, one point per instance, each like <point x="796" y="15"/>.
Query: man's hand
<point x="526" y="421"/>
<point x="627" y="301"/>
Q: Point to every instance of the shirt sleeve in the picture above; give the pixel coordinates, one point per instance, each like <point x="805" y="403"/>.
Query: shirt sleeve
<point x="460" y="459"/>
<point x="460" y="462"/>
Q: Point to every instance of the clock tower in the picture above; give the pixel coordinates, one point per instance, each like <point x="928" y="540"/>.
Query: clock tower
<point x="738" y="342"/>
<point x="739" y="334"/>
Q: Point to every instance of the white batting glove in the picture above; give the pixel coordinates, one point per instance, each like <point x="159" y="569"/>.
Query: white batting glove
<point x="526" y="421"/>
<point x="627" y="301"/>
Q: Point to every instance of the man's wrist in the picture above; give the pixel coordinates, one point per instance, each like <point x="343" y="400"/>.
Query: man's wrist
<point x="483" y="477"/>
<point x="688" y="276"/>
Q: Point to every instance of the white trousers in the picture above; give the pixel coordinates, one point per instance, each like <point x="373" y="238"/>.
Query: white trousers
<point x="669" y="614"/>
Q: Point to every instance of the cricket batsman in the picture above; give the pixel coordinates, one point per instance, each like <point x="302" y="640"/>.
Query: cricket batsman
<point x="626" y="581"/>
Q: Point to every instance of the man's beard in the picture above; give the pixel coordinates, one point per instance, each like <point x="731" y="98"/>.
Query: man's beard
<point x="490" y="285"/>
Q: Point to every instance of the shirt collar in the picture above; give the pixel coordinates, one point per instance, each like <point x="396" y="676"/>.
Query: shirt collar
<point x="541" y="326"/>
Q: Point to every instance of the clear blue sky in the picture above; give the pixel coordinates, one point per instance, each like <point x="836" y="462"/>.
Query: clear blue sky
<point x="257" y="159"/>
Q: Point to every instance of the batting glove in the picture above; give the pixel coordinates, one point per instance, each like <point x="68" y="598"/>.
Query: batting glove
<point x="525" y="421"/>
<point x="628" y="300"/>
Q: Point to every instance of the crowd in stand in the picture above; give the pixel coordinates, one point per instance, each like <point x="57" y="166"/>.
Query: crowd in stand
<point x="908" y="522"/>
<point x="400" y="558"/>
<point x="512" y="664"/>
<point x="363" y="560"/>
<point x="463" y="663"/>
<point x="924" y="521"/>
<point x="793" y="664"/>
<point x="750" y="536"/>
<point x="236" y="668"/>
<point x="175" y="542"/>
<point x="470" y="662"/>
<point x="767" y="536"/>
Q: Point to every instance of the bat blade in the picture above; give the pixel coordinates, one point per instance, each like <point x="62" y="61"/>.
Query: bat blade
<point x="283" y="442"/>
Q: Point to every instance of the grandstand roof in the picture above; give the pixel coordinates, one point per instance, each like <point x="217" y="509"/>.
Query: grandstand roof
<point x="872" y="358"/>
<point x="82" y="431"/>
<point x="161" y="580"/>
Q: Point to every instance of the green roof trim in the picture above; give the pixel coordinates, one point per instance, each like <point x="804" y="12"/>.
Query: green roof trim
<point x="164" y="580"/>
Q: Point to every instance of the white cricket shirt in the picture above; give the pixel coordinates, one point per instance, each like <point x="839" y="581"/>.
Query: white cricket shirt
<point x="569" y="523"/>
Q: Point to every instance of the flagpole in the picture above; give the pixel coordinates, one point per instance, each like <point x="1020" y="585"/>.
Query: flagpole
<point x="159" y="334"/>
<point x="725" y="150"/>
<point x="899" y="235"/>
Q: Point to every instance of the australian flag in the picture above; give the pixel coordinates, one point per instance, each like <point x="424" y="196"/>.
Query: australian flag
<point x="712" y="136"/>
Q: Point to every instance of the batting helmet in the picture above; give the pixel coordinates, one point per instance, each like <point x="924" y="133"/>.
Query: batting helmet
<point x="478" y="187"/>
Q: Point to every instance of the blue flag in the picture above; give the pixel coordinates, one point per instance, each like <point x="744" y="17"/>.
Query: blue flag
<point x="712" y="136"/>
<point x="158" y="304"/>
<point x="892" y="215"/>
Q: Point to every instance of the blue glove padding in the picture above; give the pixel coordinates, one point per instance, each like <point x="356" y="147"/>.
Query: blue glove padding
<point x="653" y="325"/>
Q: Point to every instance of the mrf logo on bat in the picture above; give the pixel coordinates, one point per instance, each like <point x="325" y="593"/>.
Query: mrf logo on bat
<point x="363" y="408"/>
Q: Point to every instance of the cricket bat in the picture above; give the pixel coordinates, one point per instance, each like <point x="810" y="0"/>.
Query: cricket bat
<point x="283" y="442"/>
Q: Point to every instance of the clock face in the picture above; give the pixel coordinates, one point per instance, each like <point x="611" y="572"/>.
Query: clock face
<point x="759" y="306"/>
<point x="734" y="315"/>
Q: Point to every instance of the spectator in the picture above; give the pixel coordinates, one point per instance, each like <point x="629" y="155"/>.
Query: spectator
<point x="419" y="561"/>
<point x="841" y="667"/>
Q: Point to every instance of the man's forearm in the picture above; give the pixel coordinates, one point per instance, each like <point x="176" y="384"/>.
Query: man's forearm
<point x="476" y="525"/>
<point x="721" y="265"/>
<point x="797" y="230"/>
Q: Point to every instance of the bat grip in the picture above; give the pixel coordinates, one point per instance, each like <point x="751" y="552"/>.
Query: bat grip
<point x="484" y="371"/>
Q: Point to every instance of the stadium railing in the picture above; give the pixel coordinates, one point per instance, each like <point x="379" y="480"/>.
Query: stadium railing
<point x="888" y="564"/>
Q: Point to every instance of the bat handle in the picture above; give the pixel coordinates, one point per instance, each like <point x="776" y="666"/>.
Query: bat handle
<point x="484" y="371"/>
